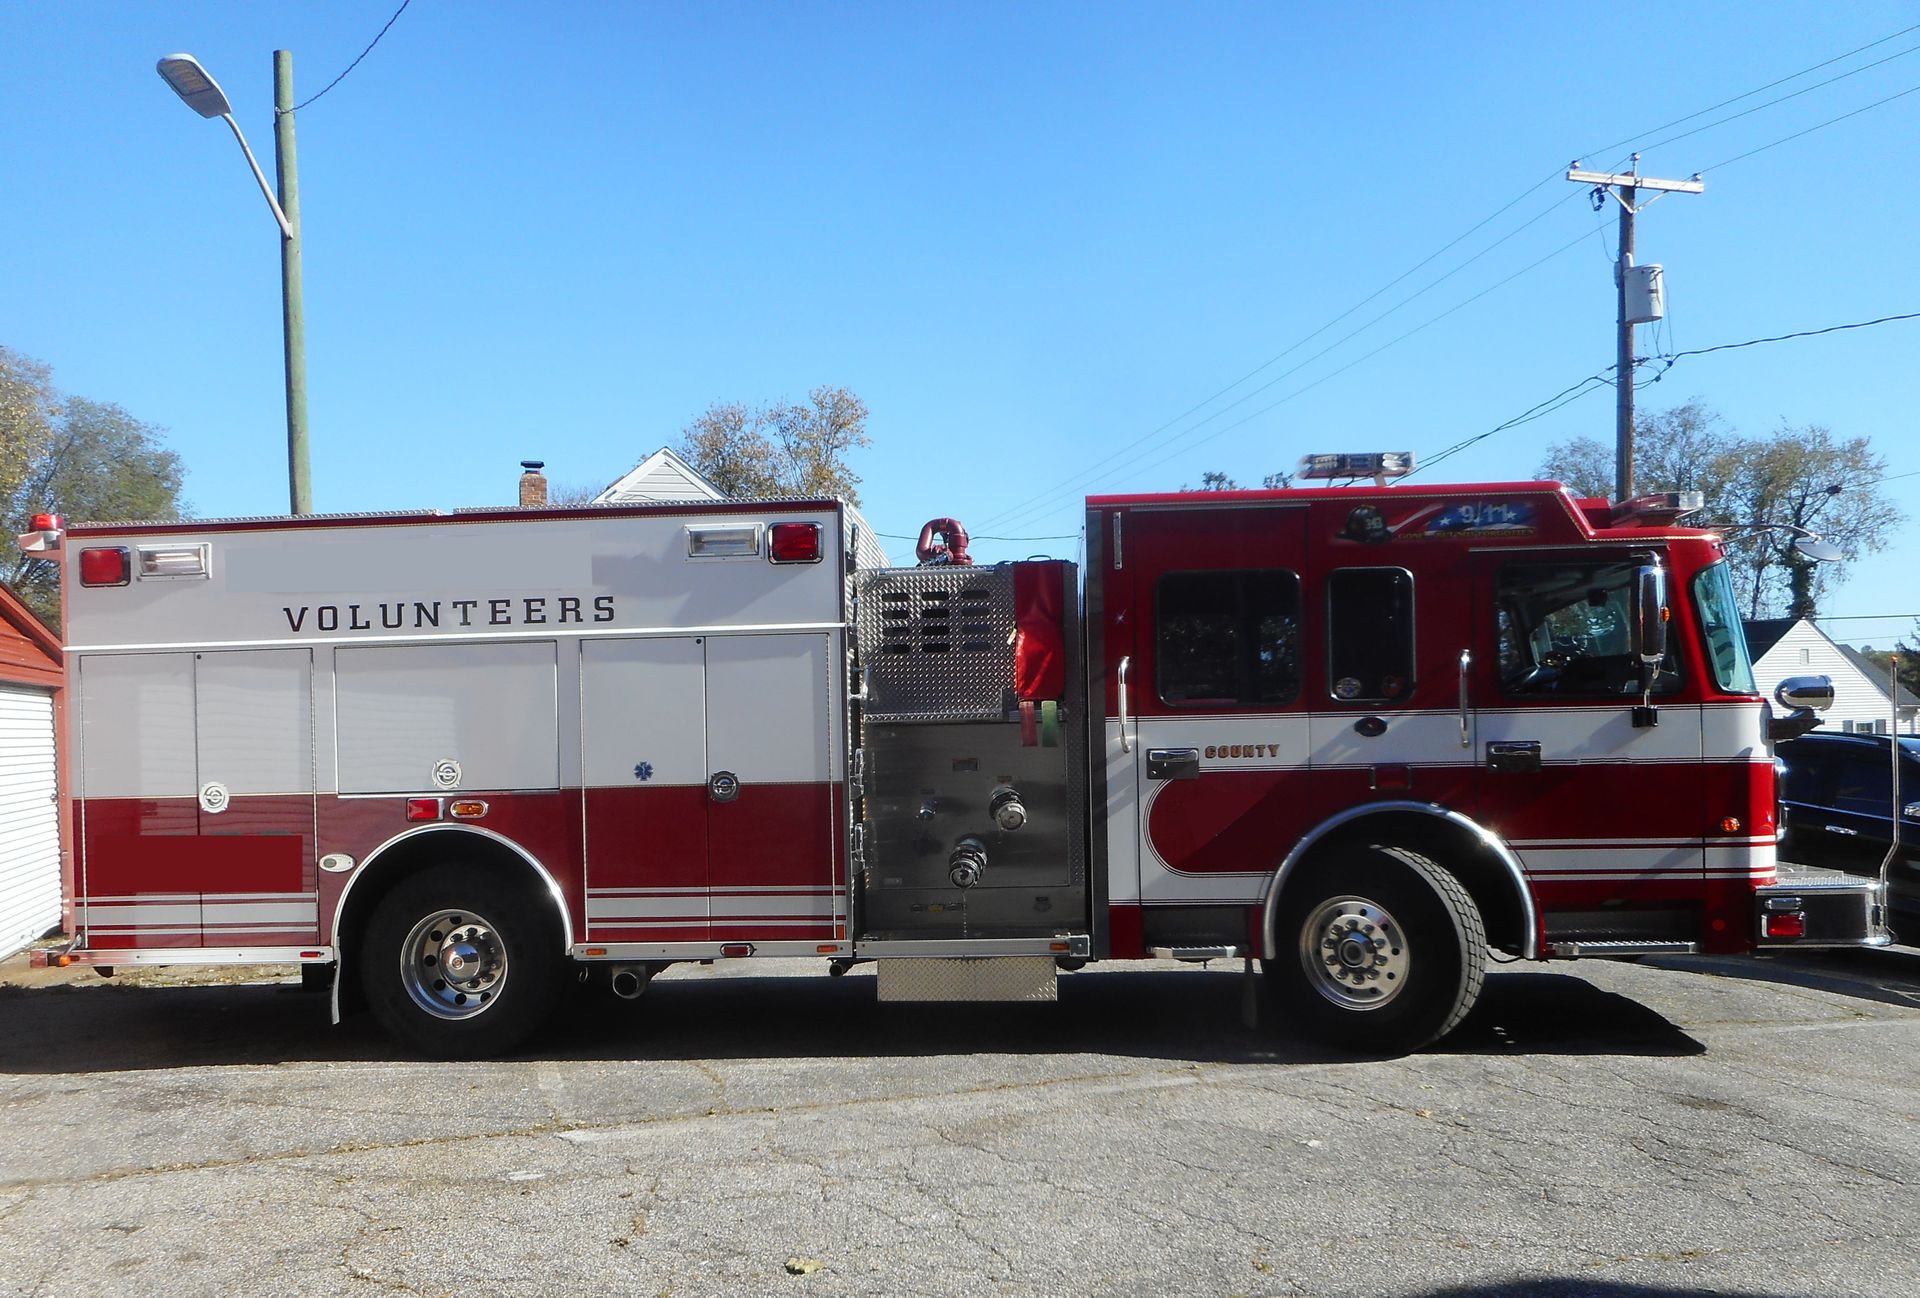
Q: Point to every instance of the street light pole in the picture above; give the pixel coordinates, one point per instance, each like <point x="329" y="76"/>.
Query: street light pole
<point x="292" y="306"/>
<point x="200" y="92"/>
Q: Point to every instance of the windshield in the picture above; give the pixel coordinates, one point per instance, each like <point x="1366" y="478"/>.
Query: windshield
<point x="1726" y="641"/>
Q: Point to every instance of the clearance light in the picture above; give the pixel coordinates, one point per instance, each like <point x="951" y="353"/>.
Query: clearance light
<point x="467" y="809"/>
<point x="734" y="950"/>
<point x="105" y="566"/>
<point x="1731" y="825"/>
<point x="827" y="948"/>
<point x="794" y="543"/>
<point x="729" y="542"/>
<point x="173" y="561"/>
<point x="423" y="808"/>
<point x="1792" y="923"/>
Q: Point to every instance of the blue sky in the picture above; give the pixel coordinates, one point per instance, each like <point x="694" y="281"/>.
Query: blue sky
<point x="1029" y="236"/>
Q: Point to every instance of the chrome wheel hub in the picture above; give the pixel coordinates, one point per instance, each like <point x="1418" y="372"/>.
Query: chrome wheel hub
<point x="1354" y="953"/>
<point x="453" y="964"/>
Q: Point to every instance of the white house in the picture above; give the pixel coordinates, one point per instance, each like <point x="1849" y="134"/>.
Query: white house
<point x="661" y="476"/>
<point x="1784" y="647"/>
<point x="665" y="476"/>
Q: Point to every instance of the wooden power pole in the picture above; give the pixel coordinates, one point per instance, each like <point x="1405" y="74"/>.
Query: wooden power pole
<point x="1626" y="189"/>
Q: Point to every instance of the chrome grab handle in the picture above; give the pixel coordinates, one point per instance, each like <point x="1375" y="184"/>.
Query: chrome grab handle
<point x="1125" y="663"/>
<point x="1842" y="830"/>
<point x="1466" y="661"/>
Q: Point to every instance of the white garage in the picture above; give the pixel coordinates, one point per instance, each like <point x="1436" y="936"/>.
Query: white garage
<point x="30" y="678"/>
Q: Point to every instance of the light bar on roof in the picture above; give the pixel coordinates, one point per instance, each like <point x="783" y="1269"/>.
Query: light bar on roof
<point x="1365" y="464"/>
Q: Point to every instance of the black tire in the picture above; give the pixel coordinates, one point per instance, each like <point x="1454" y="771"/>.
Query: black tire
<point x="501" y="938"/>
<point x="1407" y="964"/>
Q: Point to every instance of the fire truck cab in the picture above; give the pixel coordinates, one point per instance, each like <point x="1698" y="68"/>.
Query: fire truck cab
<point x="1361" y="734"/>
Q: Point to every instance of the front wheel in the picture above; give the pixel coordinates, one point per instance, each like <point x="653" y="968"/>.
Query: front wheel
<point x="460" y="965"/>
<point x="1379" y="950"/>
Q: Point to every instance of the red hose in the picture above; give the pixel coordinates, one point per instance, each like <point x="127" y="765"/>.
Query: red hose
<point x="931" y="551"/>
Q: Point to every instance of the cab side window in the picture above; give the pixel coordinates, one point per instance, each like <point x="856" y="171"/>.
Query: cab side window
<point x="1565" y="629"/>
<point x="1370" y="634"/>
<point x="1230" y="637"/>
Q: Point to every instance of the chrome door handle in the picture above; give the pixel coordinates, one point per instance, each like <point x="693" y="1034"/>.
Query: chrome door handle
<point x="1126" y="745"/>
<point x="1842" y="830"/>
<point x="1173" y="763"/>
<point x="1514" y="755"/>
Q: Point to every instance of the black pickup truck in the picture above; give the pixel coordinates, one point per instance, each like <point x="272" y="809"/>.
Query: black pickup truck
<point x="1837" y="809"/>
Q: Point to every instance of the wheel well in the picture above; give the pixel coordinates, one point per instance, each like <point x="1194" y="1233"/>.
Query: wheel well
<point x="389" y="867"/>
<point x="1453" y="847"/>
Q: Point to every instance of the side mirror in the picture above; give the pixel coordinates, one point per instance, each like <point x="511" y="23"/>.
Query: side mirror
<point x="1911" y="811"/>
<point x="1650" y="614"/>
<point x="1796" y="692"/>
<point x="1818" y="549"/>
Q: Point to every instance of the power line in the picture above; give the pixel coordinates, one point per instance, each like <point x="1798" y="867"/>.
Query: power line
<point x="1025" y="507"/>
<point x="1804" y="333"/>
<point x="1757" y="90"/>
<point x="1804" y="90"/>
<point x="356" y="63"/>
<point x="1821" y="126"/>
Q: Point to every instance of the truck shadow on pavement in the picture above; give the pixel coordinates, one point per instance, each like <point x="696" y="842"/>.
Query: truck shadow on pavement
<point x="1887" y="975"/>
<point x="1186" y="1016"/>
<point x="1553" y="1287"/>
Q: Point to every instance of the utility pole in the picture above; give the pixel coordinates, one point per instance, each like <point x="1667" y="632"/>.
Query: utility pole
<point x="1626" y="189"/>
<point x="292" y="309"/>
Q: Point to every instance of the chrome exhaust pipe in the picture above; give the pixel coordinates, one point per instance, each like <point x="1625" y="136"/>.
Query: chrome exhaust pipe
<point x="629" y="981"/>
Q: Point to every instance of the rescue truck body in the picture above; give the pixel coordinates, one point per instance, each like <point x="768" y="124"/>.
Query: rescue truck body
<point x="1363" y="734"/>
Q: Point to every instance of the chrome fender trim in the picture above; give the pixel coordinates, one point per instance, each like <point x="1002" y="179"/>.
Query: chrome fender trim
<point x="1530" y="941"/>
<point x="442" y="827"/>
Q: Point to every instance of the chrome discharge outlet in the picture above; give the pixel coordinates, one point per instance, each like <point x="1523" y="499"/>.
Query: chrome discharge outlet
<point x="629" y="981"/>
<point x="967" y="862"/>
<point x="1006" y="808"/>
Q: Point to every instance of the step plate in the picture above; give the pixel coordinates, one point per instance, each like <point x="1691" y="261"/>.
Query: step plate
<point x="1003" y="978"/>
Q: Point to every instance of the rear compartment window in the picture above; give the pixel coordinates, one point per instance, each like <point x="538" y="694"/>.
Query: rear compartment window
<point x="1370" y="635"/>
<point x="1229" y="637"/>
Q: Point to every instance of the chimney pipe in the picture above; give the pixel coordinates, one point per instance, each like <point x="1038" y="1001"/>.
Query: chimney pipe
<point x="533" y="485"/>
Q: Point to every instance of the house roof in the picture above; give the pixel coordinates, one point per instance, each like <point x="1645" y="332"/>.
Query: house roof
<point x="29" y="652"/>
<point x="1764" y="633"/>
<point x="662" y="475"/>
<point x="1877" y="675"/>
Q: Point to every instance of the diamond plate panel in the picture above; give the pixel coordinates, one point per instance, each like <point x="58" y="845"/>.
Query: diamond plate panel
<point x="937" y="643"/>
<point x="999" y="978"/>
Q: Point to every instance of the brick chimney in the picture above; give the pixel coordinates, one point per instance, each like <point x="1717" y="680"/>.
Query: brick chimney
<point x="533" y="485"/>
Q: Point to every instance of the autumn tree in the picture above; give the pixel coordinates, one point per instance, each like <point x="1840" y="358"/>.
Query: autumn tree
<point x="781" y="449"/>
<point x="88" y="460"/>
<point x="1801" y="477"/>
<point x="1213" y="480"/>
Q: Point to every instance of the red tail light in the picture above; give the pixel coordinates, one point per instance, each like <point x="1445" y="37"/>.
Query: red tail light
<point x="1792" y="923"/>
<point x="423" y="808"/>
<point x="794" y="543"/>
<point x="105" y="566"/>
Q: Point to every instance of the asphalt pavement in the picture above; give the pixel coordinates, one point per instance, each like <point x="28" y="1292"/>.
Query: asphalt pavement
<point x="1666" y="1127"/>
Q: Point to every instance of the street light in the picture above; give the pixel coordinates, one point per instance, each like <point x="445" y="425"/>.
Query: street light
<point x="200" y="92"/>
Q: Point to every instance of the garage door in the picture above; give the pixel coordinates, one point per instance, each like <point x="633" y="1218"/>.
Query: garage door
<point x="29" y="819"/>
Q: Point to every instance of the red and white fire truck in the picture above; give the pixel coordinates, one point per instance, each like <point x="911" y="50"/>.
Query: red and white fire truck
<point x="1365" y="734"/>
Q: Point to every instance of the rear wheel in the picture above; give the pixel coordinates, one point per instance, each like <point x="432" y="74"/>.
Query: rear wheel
<point x="1379" y="950"/>
<point x="459" y="964"/>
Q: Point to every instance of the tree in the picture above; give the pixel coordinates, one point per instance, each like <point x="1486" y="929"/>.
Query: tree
<point x="1804" y="477"/>
<point x="1214" y="480"/>
<point x="69" y="455"/>
<point x="797" y="449"/>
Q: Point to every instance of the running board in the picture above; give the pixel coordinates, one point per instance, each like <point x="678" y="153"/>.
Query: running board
<point x="1194" y="954"/>
<point x="1574" y="950"/>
